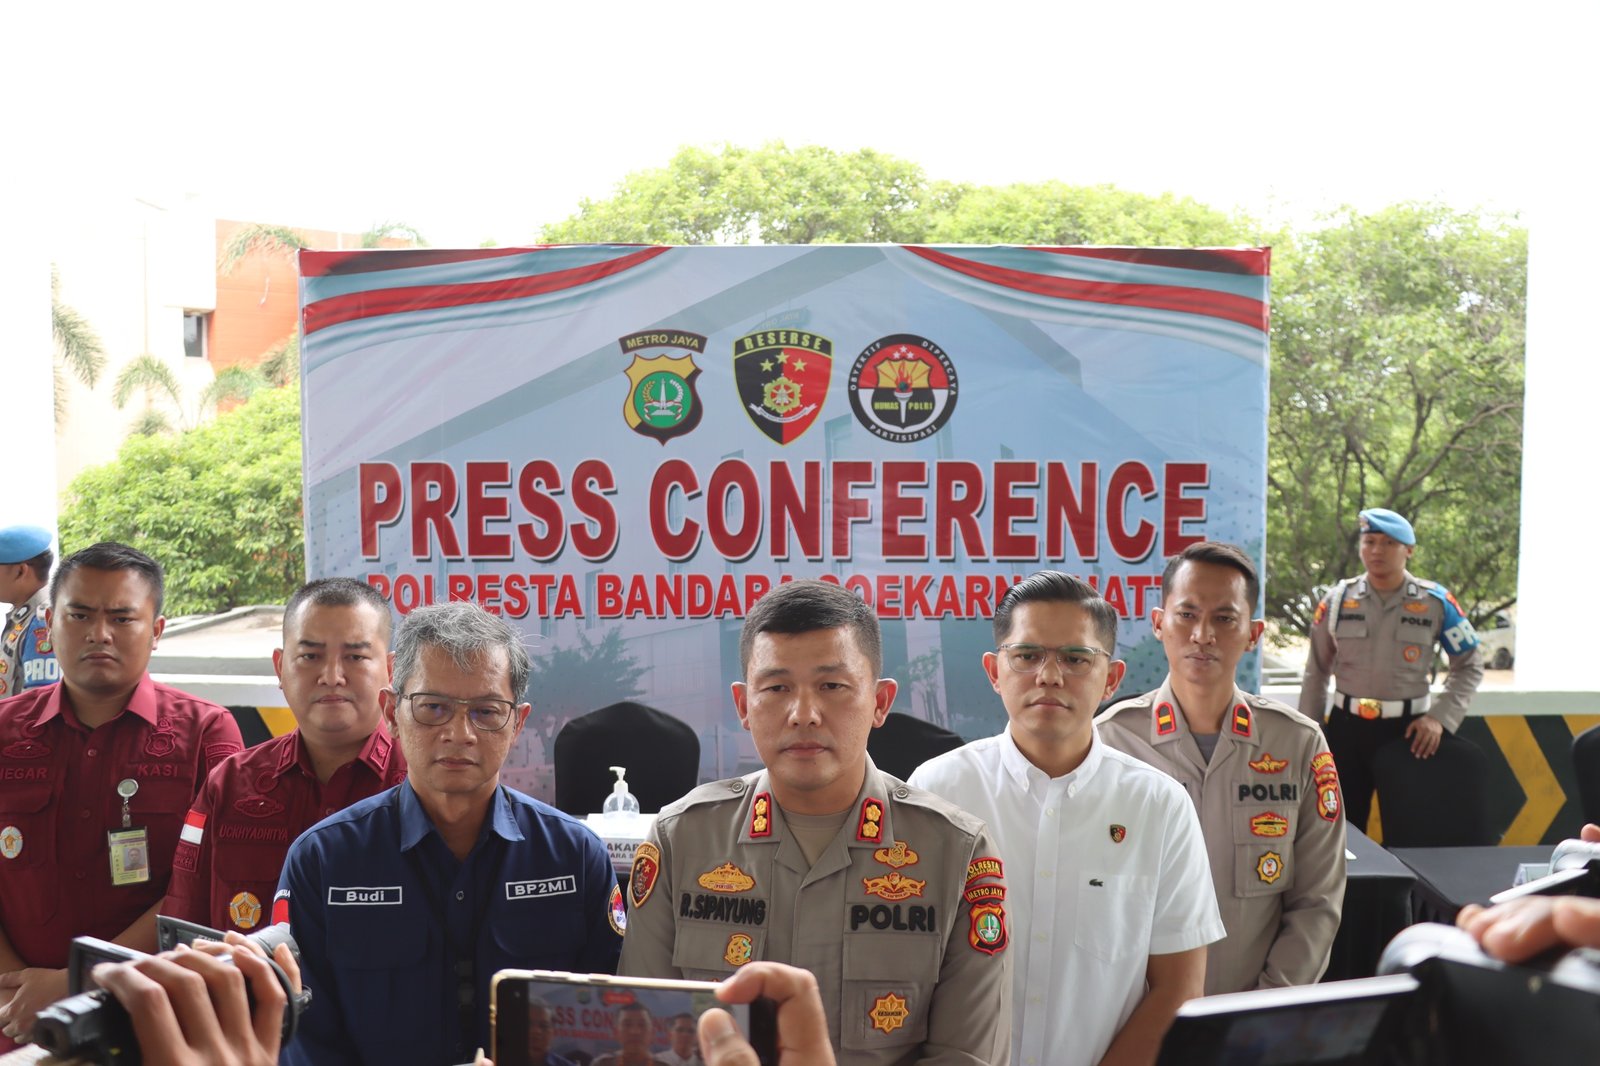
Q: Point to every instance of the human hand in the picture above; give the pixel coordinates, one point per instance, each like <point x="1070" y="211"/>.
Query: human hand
<point x="234" y="939"/>
<point x="802" y="1025"/>
<point x="1424" y="732"/>
<point x="1591" y="833"/>
<point x="29" y="989"/>
<point x="1526" y="927"/>
<point x="190" y="1008"/>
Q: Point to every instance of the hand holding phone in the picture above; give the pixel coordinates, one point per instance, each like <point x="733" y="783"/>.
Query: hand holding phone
<point x="802" y="1026"/>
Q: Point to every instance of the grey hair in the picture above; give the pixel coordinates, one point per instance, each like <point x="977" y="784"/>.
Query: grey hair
<point x="465" y="632"/>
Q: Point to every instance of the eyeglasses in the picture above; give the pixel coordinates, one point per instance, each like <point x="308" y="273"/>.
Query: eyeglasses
<point x="486" y="715"/>
<point x="1073" y="659"/>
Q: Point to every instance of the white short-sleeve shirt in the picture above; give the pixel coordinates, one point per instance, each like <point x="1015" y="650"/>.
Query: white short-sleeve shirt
<point x="1104" y="867"/>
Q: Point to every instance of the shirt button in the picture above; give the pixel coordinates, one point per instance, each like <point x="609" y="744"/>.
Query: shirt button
<point x="1041" y="937"/>
<point x="79" y="875"/>
<point x="1047" y="873"/>
<point x="1051" y="811"/>
<point x="92" y="752"/>
<point x="1072" y="790"/>
<point x="901" y="793"/>
<point x="460" y="895"/>
<point x="737" y="786"/>
<point x="83" y="813"/>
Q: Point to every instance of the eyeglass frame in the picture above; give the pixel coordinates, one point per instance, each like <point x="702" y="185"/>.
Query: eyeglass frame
<point x="1059" y="654"/>
<point x="408" y="698"/>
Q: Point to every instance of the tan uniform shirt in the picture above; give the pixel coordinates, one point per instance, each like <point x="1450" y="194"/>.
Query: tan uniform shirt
<point x="1273" y="820"/>
<point x="1384" y="651"/>
<point x="902" y="919"/>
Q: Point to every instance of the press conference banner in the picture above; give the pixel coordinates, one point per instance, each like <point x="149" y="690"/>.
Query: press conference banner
<point x="620" y="448"/>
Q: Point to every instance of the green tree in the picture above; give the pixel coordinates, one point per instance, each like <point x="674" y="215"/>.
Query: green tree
<point x="166" y="409"/>
<point x="773" y="194"/>
<point x="568" y="682"/>
<point x="77" y="347"/>
<point x="1054" y="213"/>
<point x="218" y="506"/>
<point x="1397" y="376"/>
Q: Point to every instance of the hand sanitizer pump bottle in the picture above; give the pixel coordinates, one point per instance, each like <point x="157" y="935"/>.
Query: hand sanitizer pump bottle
<point x="621" y="802"/>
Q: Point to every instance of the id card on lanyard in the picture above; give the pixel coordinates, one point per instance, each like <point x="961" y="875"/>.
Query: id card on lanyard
<point x="130" y="845"/>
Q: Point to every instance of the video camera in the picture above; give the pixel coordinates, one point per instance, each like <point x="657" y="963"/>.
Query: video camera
<point x="91" y="1025"/>
<point x="1438" y="1001"/>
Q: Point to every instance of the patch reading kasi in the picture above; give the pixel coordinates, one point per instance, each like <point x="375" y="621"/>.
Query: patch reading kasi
<point x="642" y="878"/>
<point x="888" y="1013"/>
<point x="984" y="866"/>
<point x="662" y="400"/>
<point x="727" y="878"/>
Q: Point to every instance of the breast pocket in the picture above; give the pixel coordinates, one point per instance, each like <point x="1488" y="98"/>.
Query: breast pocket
<point x="27" y="849"/>
<point x="160" y="807"/>
<point x="710" y="951"/>
<point x="888" y="980"/>
<point x="246" y="878"/>
<point x="541" y="933"/>
<point x="1116" y="913"/>
<point x="1263" y="851"/>
<point x="379" y="951"/>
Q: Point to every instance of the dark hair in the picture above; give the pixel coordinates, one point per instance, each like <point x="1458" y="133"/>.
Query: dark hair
<point x="339" y="592"/>
<point x="1217" y="553"/>
<point x="806" y="606"/>
<point x="1052" y="586"/>
<point x="40" y="564"/>
<point x="634" y="1007"/>
<point x="109" y="555"/>
<point x="465" y="632"/>
<point x="685" y="1014"/>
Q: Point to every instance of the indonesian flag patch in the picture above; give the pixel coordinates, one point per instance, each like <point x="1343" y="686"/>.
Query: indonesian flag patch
<point x="194" y="828"/>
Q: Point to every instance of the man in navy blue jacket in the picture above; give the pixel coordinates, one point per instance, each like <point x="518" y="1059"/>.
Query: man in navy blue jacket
<point x="405" y="904"/>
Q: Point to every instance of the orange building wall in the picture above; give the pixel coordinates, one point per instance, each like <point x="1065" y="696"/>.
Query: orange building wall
<point x="258" y="301"/>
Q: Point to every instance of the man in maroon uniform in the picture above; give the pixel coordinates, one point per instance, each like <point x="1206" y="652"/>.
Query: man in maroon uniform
<point x="95" y="774"/>
<point x="333" y="663"/>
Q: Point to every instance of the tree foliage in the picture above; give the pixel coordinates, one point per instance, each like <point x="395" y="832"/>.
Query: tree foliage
<point x="567" y="682"/>
<point x="77" y="347"/>
<point x="218" y="506"/>
<point x="1397" y="382"/>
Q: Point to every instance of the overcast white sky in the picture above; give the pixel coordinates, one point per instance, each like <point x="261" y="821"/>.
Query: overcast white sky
<point x="475" y="121"/>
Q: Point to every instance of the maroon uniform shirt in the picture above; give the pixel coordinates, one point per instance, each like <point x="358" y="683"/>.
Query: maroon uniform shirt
<point x="58" y="799"/>
<point x="252" y="807"/>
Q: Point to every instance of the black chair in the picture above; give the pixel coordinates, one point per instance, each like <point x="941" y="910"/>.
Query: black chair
<point x="1439" y="802"/>
<point x="1586" y="764"/>
<point x="904" y="742"/>
<point x="661" y="752"/>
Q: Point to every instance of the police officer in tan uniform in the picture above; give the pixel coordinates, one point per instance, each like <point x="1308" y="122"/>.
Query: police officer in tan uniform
<point x="1375" y="633"/>
<point x="1259" y="774"/>
<point x="891" y="896"/>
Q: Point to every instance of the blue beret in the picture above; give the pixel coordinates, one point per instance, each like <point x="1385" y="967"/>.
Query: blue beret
<point x="18" y="544"/>
<point x="1382" y="520"/>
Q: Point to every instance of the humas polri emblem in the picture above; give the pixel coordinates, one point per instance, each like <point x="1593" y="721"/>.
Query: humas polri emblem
<point x="903" y="388"/>
<point x="782" y="375"/>
<point x="662" y="402"/>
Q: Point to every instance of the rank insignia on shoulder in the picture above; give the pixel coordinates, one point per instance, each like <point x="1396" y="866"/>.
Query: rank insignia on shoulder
<point x="739" y="950"/>
<point x="245" y="910"/>
<point x="870" y="826"/>
<point x="617" y="911"/>
<point x="761" y="815"/>
<point x="984" y="866"/>
<point x="1119" y="833"/>
<point x="988" y="933"/>
<point x="888" y="1013"/>
<point x="727" y="878"/>
<point x="1267" y="764"/>
<point x="1269" y="867"/>
<point x="897" y="856"/>
<point x="1166" y="721"/>
<point x="646" y="868"/>
<point x="1241" y="720"/>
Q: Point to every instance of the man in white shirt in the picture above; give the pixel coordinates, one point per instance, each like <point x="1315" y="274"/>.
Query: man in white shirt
<point x="1110" y="891"/>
